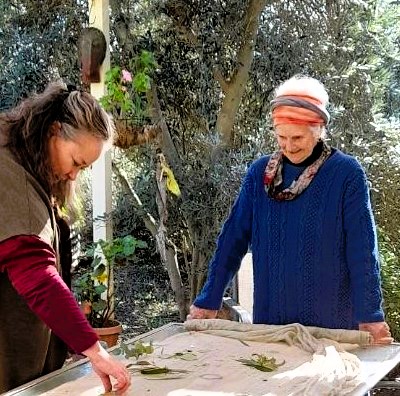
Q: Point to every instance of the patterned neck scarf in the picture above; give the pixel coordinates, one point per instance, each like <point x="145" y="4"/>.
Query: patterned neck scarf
<point x="273" y="176"/>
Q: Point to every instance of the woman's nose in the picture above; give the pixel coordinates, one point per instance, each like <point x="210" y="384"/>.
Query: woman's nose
<point x="289" y="145"/>
<point x="73" y="174"/>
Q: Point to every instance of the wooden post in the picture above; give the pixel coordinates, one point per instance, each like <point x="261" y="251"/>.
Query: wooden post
<point x="101" y="169"/>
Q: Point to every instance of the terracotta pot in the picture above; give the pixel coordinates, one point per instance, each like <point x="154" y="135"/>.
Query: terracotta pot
<point x="110" y="333"/>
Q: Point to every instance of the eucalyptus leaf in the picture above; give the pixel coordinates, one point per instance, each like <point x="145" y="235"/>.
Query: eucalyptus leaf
<point x="189" y="356"/>
<point x="137" y="350"/>
<point x="155" y="370"/>
<point x="163" y="372"/>
<point x="261" y="362"/>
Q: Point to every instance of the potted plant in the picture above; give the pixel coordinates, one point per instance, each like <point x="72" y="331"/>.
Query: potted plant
<point x="127" y="102"/>
<point x="94" y="288"/>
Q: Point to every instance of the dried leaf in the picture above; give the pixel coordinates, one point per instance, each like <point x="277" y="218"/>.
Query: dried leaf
<point x="155" y="370"/>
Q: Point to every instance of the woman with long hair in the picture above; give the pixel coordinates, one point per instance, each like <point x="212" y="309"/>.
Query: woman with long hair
<point x="44" y="143"/>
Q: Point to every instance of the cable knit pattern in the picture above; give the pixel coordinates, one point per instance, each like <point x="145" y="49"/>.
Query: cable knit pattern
<point x="315" y="258"/>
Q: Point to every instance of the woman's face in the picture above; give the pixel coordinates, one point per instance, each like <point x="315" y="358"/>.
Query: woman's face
<point x="296" y="141"/>
<point x="69" y="157"/>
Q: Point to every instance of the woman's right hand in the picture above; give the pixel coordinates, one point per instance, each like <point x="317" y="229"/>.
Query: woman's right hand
<point x="106" y="367"/>
<point x="201" y="313"/>
<point x="380" y="332"/>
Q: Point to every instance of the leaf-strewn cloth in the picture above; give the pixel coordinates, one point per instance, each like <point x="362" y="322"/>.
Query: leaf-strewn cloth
<point x="331" y="370"/>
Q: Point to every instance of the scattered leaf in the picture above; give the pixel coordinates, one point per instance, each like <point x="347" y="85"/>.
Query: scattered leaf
<point x="137" y="350"/>
<point x="155" y="370"/>
<point x="261" y="362"/>
<point x="187" y="355"/>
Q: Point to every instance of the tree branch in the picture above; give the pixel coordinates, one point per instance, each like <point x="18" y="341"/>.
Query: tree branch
<point x="237" y="84"/>
<point x="147" y="218"/>
<point x="167" y="145"/>
<point x="169" y="151"/>
<point x="178" y="12"/>
<point x="188" y="35"/>
<point x="224" y="84"/>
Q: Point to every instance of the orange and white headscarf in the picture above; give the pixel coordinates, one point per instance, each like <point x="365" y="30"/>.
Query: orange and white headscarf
<point x="298" y="109"/>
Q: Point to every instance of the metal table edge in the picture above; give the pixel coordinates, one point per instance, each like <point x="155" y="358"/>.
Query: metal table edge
<point x="165" y="328"/>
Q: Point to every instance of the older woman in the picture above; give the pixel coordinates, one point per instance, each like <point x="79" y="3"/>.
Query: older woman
<point x="45" y="142"/>
<point x="305" y="212"/>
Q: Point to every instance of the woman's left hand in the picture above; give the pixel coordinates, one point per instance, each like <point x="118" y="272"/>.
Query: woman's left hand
<point x="107" y="367"/>
<point x="380" y="332"/>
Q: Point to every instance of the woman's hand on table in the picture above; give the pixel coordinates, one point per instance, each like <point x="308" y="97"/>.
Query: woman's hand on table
<point x="105" y="366"/>
<point x="201" y="313"/>
<point x="380" y="332"/>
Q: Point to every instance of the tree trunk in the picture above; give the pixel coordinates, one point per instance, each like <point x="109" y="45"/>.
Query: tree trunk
<point x="234" y="89"/>
<point x="166" y="249"/>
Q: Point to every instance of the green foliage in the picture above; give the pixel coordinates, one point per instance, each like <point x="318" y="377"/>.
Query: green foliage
<point x="381" y="160"/>
<point x="125" y="97"/>
<point x="352" y="46"/>
<point x="144" y="66"/>
<point x="116" y="249"/>
<point x="38" y="44"/>
<point x="390" y="272"/>
<point x="93" y="288"/>
<point x="117" y="97"/>
<point x="188" y="355"/>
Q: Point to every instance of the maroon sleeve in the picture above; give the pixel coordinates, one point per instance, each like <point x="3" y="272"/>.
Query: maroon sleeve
<point x="30" y="265"/>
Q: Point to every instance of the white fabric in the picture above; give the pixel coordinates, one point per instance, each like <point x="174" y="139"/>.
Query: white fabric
<point x="314" y="367"/>
<point x="331" y="371"/>
<point x="305" y="337"/>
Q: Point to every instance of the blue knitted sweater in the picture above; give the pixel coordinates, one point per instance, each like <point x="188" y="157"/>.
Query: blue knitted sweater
<point x="315" y="258"/>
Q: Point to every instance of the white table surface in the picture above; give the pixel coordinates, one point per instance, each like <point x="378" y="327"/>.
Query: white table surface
<point x="376" y="362"/>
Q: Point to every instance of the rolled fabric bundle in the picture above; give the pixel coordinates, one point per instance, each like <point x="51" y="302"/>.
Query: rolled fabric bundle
<point x="304" y="337"/>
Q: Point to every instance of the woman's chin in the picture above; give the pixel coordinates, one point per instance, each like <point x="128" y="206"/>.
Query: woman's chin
<point x="295" y="159"/>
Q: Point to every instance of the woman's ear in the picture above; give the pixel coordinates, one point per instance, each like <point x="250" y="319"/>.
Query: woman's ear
<point x="55" y="128"/>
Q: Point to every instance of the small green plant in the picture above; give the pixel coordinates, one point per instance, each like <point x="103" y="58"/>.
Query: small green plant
<point x="126" y="90"/>
<point x="93" y="288"/>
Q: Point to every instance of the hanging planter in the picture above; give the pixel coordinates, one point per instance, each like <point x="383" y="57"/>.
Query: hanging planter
<point x="128" y="134"/>
<point x="126" y="99"/>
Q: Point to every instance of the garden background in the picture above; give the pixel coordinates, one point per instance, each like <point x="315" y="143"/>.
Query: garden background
<point x="197" y="112"/>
